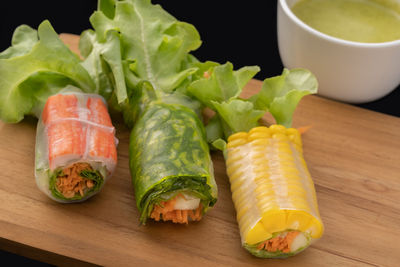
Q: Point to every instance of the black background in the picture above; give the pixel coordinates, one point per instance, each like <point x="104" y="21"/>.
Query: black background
<point x="242" y="32"/>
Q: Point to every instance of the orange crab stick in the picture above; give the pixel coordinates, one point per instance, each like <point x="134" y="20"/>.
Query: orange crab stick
<point x="101" y="144"/>
<point x="66" y="140"/>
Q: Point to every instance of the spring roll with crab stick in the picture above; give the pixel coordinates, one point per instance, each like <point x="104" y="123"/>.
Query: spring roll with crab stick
<point x="75" y="146"/>
<point x="272" y="190"/>
<point x="42" y="77"/>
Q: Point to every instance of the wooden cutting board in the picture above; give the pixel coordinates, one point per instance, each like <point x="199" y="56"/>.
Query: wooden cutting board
<point x="353" y="156"/>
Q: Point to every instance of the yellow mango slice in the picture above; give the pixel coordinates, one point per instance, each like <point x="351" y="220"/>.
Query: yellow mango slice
<point x="257" y="234"/>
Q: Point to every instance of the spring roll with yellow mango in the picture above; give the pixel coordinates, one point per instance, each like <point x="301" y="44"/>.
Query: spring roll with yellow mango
<point x="272" y="190"/>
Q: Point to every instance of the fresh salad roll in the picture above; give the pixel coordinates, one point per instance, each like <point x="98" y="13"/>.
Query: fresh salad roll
<point x="75" y="146"/>
<point x="75" y="143"/>
<point x="147" y="53"/>
<point x="272" y="190"/>
<point x="171" y="166"/>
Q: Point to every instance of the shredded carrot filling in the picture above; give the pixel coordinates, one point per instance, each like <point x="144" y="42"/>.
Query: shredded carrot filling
<point x="70" y="182"/>
<point x="166" y="212"/>
<point x="279" y="243"/>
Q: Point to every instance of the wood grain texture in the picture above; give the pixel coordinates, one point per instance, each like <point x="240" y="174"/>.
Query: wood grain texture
<point x="353" y="156"/>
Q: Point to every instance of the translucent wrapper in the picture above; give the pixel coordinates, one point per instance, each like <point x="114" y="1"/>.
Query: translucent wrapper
<point x="75" y="146"/>
<point x="273" y="192"/>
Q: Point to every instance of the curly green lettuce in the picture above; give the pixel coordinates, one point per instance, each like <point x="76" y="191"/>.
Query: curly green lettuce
<point x="220" y="90"/>
<point x="37" y="65"/>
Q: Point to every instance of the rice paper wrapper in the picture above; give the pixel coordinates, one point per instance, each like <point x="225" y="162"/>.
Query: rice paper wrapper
<point x="273" y="192"/>
<point x="169" y="153"/>
<point x="74" y="128"/>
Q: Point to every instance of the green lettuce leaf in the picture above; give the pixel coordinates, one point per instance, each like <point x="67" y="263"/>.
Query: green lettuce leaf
<point x="111" y="53"/>
<point x="26" y="65"/>
<point x="214" y="129"/>
<point x="95" y="64"/>
<point x="239" y="115"/>
<point x="24" y="38"/>
<point x="281" y="94"/>
<point x="107" y="7"/>
<point x="220" y="144"/>
<point x="203" y="69"/>
<point x="220" y="89"/>
<point x="136" y="45"/>
<point x="154" y="43"/>
<point x="222" y="84"/>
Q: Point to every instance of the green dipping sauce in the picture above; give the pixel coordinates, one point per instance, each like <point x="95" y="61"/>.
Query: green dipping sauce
<point x="366" y="21"/>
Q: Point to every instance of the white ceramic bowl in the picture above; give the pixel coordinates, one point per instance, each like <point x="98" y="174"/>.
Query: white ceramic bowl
<point x="346" y="71"/>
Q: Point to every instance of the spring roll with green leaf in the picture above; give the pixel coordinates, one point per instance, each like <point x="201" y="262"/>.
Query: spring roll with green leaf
<point x="146" y="52"/>
<point x="171" y="165"/>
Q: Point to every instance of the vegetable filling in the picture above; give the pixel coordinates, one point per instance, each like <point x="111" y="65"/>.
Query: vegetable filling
<point x="167" y="211"/>
<point x="71" y="181"/>
<point x="281" y="242"/>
